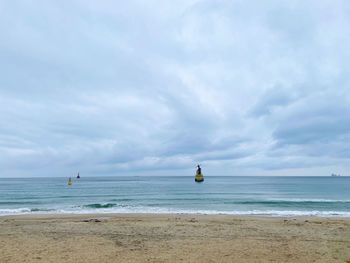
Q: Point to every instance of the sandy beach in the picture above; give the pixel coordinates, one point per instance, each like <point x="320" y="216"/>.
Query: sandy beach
<point x="173" y="238"/>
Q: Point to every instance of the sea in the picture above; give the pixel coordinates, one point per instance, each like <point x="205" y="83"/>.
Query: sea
<point x="236" y="195"/>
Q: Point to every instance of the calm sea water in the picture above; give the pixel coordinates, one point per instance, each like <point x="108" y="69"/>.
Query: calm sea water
<point x="278" y="196"/>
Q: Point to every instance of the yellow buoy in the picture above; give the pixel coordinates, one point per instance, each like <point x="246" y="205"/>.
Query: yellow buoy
<point x="69" y="181"/>
<point x="199" y="178"/>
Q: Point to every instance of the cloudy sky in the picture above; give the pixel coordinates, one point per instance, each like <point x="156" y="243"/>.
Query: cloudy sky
<point x="155" y="87"/>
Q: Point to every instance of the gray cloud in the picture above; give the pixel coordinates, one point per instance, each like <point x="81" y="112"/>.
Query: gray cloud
<point x="147" y="87"/>
<point x="272" y="99"/>
<point x="319" y="118"/>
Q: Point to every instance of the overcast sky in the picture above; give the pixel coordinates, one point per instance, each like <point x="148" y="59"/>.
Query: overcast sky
<point x="155" y="87"/>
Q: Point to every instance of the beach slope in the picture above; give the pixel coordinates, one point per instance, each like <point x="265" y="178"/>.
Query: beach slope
<point x="173" y="238"/>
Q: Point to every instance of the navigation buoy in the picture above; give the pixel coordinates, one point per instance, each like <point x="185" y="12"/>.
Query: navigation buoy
<point x="199" y="176"/>
<point x="69" y="181"/>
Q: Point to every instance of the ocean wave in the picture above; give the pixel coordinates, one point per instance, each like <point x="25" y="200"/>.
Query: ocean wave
<point x="108" y="205"/>
<point x="122" y="200"/>
<point x="283" y="203"/>
<point x="15" y="211"/>
<point x="311" y="200"/>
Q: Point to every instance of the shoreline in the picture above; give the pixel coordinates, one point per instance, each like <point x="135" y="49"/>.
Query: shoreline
<point x="286" y="215"/>
<point x="143" y="237"/>
<point x="147" y="214"/>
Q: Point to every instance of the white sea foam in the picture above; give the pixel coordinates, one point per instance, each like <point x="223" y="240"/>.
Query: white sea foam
<point x="16" y="211"/>
<point x="158" y="210"/>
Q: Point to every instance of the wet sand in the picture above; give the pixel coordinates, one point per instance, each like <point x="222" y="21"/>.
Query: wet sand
<point x="173" y="238"/>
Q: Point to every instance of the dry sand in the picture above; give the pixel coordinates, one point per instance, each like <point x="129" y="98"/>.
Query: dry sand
<point x="172" y="238"/>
